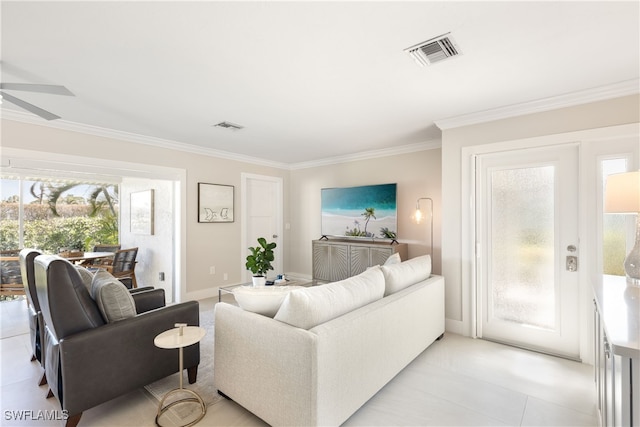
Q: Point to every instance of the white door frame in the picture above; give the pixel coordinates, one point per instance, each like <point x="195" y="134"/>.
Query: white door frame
<point x="563" y="337"/>
<point x="244" y="178"/>
<point x="586" y="138"/>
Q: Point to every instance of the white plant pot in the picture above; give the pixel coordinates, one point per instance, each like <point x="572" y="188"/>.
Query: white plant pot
<point x="259" y="281"/>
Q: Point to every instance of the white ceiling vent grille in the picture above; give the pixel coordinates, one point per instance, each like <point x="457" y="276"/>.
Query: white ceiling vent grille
<point x="228" y="125"/>
<point x="434" y="50"/>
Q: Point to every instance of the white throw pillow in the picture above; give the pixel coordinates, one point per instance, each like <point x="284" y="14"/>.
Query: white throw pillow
<point x="113" y="299"/>
<point x="265" y="300"/>
<point x="407" y="273"/>
<point x="393" y="259"/>
<point x="308" y="307"/>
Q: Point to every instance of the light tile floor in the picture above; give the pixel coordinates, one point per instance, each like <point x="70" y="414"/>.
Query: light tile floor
<point x="457" y="381"/>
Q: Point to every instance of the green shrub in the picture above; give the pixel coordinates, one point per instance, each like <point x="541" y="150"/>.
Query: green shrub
<point x="8" y="234"/>
<point x="51" y="234"/>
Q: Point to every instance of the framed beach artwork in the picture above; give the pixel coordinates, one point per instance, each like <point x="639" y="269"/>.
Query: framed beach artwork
<point x="215" y="202"/>
<point x="141" y="220"/>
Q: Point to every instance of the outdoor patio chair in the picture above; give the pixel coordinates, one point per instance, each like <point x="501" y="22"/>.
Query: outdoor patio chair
<point x="123" y="267"/>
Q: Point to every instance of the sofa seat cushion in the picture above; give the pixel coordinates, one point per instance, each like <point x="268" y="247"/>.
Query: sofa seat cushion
<point x="265" y="300"/>
<point x="407" y="273"/>
<point x="308" y="307"/>
<point x="113" y="299"/>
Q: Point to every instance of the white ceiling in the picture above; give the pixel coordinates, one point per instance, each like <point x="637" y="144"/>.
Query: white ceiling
<point x="307" y="80"/>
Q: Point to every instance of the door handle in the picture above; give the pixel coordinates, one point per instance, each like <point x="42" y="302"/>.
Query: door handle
<point x="572" y="263"/>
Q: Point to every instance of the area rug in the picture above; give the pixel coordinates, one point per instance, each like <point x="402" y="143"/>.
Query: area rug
<point x="204" y="385"/>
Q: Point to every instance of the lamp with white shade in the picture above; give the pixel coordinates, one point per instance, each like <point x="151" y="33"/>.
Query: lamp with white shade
<point x="622" y="195"/>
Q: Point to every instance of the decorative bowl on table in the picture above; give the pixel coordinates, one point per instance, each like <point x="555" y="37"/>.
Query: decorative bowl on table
<point x="265" y="300"/>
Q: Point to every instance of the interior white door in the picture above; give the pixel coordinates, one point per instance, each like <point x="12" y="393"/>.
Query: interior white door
<point x="262" y="209"/>
<point x="527" y="240"/>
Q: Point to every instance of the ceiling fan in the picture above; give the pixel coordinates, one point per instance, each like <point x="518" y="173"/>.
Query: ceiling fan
<point x="28" y="87"/>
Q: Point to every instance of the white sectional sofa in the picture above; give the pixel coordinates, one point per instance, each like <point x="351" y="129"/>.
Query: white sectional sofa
<point x="329" y="348"/>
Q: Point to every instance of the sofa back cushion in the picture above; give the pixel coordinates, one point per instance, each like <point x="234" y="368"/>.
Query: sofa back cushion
<point x="308" y="307"/>
<point x="407" y="273"/>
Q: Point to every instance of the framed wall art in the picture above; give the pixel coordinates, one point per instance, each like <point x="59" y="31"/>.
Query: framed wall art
<point x="142" y="212"/>
<point x="215" y="202"/>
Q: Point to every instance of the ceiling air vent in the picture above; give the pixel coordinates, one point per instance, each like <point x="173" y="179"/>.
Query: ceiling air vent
<point x="434" y="50"/>
<point x="228" y="125"/>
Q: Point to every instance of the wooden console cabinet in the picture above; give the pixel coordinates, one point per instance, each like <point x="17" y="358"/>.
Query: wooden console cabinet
<point x="617" y="351"/>
<point x="339" y="259"/>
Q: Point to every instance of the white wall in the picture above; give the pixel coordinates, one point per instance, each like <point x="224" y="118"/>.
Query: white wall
<point x="417" y="174"/>
<point x="202" y="245"/>
<point x="156" y="251"/>
<point x="435" y="173"/>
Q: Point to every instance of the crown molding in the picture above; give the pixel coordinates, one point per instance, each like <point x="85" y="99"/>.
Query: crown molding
<point x="24" y="117"/>
<point x="616" y="90"/>
<point x="372" y="154"/>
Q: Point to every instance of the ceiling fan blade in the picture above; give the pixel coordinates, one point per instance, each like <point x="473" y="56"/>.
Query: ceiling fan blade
<point x="29" y="107"/>
<point x="29" y="87"/>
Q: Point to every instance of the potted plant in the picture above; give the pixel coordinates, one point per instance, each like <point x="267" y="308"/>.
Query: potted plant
<point x="259" y="261"/>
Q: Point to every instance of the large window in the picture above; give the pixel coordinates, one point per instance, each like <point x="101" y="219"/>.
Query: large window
<point x="54" y="214"/>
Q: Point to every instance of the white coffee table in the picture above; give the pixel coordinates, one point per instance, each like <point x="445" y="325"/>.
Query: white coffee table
<point x="179" y="337"/>
<point x="306" y="283"/>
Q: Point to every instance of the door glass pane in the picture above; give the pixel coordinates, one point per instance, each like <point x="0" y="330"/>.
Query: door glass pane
<point x="522" y="246"/>
<point x="613" y="226"/>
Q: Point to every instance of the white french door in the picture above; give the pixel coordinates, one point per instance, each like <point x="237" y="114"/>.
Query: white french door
<point x="527" y="248"/>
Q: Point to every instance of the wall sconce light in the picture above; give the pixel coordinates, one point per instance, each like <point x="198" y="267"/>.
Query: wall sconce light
<point x="622" y="195"/>
<point x="418" y="217"/>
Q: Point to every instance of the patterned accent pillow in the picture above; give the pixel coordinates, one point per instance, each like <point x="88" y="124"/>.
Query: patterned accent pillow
<point x="113" y="298"/>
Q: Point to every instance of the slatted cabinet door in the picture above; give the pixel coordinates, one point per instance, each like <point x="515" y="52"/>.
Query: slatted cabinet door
<point x="337" y="260"/>
<point x="330" y="261"/>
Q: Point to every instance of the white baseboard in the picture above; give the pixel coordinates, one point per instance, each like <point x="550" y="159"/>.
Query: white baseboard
<point x="200" y="295"/>
<point x="454" y="326"/>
